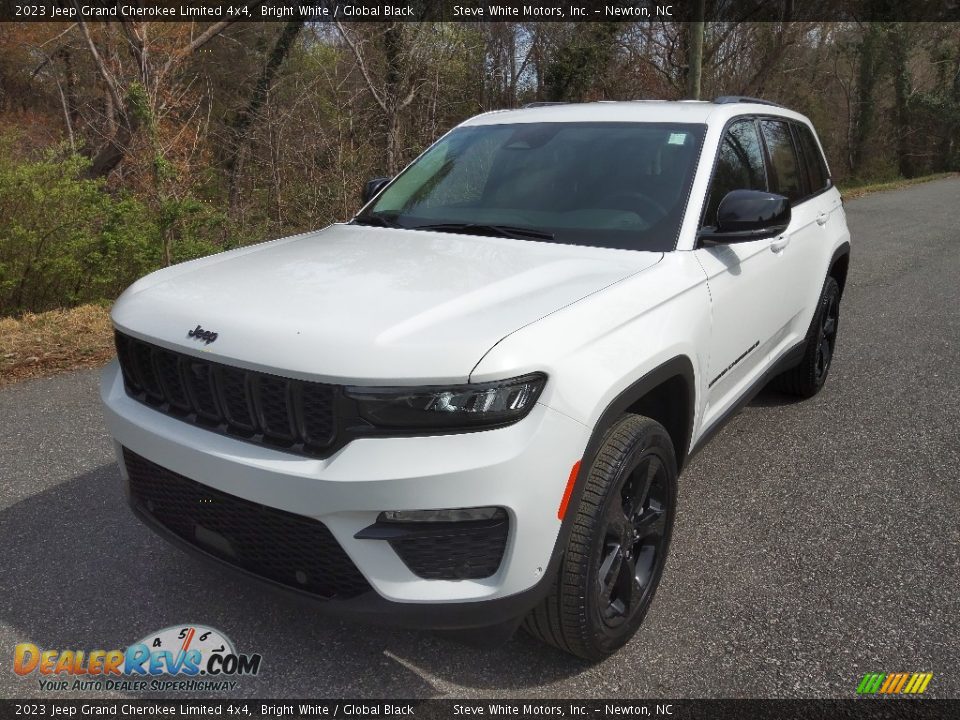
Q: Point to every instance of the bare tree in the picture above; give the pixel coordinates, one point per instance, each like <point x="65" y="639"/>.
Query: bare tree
<point x="138" y="97"/>
<point x="240" y="127"/>
<point x="396" y="84"/>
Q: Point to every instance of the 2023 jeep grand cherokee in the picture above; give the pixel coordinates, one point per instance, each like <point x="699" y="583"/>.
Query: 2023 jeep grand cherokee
<point x="468" y="406"/>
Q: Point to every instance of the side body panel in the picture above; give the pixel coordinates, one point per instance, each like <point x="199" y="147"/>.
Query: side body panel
<point x="593" y="351"/>
<point x="750" y="316"/>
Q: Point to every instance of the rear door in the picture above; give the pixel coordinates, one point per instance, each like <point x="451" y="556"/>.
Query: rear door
<point x="814" y="253"/>
<point x="807" y="239"/>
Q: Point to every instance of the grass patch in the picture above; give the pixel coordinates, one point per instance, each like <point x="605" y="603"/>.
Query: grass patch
<point x="858" y="188"/>
<point x="37" y="345"/>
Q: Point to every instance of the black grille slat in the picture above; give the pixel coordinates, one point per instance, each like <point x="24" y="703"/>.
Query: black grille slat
<point x="127" y="363"/>
<point x="235" y="399"/>
<point x="168" y="370"/>
<point x="145" y="371"/>
<point x="316" y="413"/>
<point x="254" y="406"/>
<point x="272" y="400"/>
<point x="291" y="549"/>
<point x="202" y="389"/>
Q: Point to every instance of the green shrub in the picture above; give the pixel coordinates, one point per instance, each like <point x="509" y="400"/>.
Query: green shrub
<point x="64" y="240"/>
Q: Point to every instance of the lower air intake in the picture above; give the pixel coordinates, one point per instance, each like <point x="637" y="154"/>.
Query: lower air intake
<point x="290" y="549"/>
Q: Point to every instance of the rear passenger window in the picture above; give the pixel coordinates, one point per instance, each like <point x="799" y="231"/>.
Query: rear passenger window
<point x="786" y="177"/>
<point x="816" y="167"/>
<point x="739" y="166"/>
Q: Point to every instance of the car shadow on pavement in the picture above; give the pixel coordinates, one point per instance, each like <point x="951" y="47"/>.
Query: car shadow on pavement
<point x="80" y="572"/>
<point x="771" y="397"/>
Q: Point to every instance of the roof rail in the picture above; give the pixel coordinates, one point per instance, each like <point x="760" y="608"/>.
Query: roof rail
<point x="730" y="99"/>
<point x="543" y="104"/>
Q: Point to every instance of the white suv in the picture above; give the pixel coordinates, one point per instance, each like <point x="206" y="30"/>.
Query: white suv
<point x="467" y="408"/>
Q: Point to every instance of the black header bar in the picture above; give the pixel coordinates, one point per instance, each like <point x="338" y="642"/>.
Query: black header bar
<point x="480" y="10"/>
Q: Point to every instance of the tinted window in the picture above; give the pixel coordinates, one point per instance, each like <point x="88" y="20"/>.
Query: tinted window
<point x="816" y="167"/>
<point x="786" y="177"/>
<point x="607" y="184"/>
<point x="739" y="166"/>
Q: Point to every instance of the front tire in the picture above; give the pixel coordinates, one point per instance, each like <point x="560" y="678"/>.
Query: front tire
<point x="618" y="545"/>
<point x="807" y="378"/>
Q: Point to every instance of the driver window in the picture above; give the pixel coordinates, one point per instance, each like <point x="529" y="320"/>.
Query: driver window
<point x="739" y="166"/>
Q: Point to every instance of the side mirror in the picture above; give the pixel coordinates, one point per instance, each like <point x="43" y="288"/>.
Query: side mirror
<point x="746" y="215"/>
<point x="372" y="187"/>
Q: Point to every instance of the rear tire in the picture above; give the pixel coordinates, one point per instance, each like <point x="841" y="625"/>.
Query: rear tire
<point x="617" y="547"/>
<point x="808" y="377"/>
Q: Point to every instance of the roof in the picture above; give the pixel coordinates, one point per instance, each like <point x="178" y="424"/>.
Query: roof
<point x="678" y="111"/>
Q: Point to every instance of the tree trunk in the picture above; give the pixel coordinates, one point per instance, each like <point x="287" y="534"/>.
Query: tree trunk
<point x="695" y="53"/>
<point x="902" y="89"/>
<point x="245" y="119"/>
<point x="865" y="95"/>
<point x="391" y="94"/>
<point x="948" y="145"/>
<point x="113" y="150"/>
<point x="392" y="125"/>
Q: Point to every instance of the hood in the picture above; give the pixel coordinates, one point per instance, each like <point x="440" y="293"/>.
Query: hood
<point x="360" y="304"/>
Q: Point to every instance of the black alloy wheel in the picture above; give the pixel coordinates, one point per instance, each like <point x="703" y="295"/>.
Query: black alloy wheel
<point x="828" y="336"/>
<point x="633" y="549"/>
<point x="807" y="378"/>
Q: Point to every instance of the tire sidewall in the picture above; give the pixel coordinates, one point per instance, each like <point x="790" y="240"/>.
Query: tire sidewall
<point x="831" y="291"/>
<point x="653" y="440"/>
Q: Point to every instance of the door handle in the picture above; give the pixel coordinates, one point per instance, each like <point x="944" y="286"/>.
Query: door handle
<point x="780" y="243"/>
<point x="822" y="218"/>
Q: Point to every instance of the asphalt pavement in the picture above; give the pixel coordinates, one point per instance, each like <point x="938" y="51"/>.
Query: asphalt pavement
<point x="815" y="541"/>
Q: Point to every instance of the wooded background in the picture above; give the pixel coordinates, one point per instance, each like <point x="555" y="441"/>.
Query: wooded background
<point x="128" y="146"/>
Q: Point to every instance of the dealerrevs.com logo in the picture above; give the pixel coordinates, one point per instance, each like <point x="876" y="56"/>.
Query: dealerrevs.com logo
<point x="185" y="658"/>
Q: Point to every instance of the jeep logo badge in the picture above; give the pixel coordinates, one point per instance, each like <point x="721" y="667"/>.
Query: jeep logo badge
<point x="200" y="334"/>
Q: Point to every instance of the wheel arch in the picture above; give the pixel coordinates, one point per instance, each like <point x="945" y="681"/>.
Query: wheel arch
<point x="839" y="265"/>
<point x="666" y="394"/>
<point x="648" y="394"/>
<point x="653" y="395"/>
<point x="670" y="403"/>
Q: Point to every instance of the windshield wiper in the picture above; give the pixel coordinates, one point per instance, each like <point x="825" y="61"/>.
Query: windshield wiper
<point x="377" y="220"/>
<point x="508" y="231"/>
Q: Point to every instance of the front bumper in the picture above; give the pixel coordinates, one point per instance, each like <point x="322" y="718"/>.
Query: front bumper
<point x="522" y="468"/>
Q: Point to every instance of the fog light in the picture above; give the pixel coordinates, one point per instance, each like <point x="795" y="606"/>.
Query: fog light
<point x="450" y="515"/>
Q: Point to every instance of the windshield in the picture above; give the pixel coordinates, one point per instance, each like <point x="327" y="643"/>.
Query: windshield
<point x="615" y="185"/>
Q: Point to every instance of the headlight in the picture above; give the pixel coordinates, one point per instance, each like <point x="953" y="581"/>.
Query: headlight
<point x="448" y="408"/>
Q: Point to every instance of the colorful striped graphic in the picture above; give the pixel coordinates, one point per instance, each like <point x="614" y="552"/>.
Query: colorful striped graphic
<point x="894" y="683"/>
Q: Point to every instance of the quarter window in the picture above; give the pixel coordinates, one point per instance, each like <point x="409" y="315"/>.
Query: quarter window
<point x="739" y="166"/>
<point x="816" y="167"/>
<point x="786" y="177"/>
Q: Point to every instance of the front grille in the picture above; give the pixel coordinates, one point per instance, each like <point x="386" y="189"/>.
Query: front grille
<point x="291" y="549"/>
<point x="255" y="406"/>
<point x="454" y="551"/>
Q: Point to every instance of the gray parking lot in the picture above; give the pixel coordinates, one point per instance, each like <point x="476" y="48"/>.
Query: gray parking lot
<point x="816" y="541"/>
